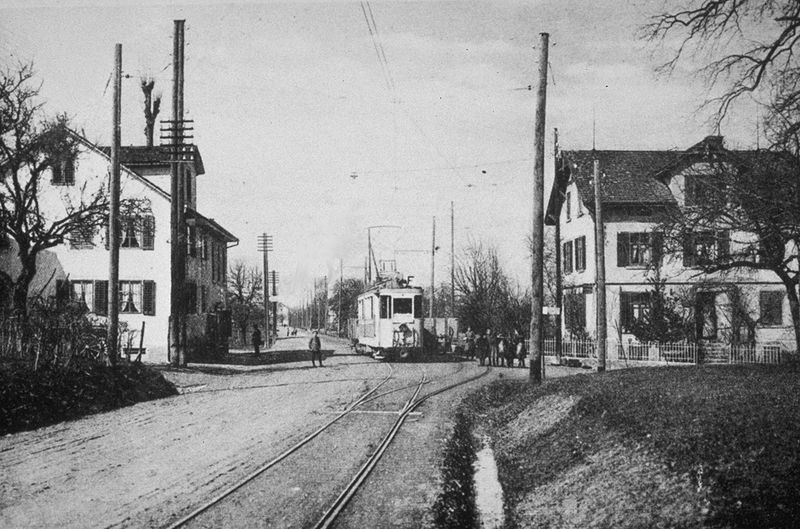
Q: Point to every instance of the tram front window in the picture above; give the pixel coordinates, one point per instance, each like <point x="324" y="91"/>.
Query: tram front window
<point x="402" y="306"/>
<point x="386" y="307"/>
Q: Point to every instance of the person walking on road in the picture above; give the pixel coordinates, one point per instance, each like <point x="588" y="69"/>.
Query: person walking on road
<point x="256" y="340"/>
<point x="315" y="347"/>
<point x="491" y="339"/>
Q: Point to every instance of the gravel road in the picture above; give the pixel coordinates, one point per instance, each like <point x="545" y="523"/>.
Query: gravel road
<point x="149" y="464"/>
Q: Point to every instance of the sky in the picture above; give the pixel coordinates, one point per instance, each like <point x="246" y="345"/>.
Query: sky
<point x="307" y="136"/>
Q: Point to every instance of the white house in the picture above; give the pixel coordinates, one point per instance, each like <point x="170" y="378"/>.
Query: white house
<point x="79" y="268"/>
<point x="636" y="186"/>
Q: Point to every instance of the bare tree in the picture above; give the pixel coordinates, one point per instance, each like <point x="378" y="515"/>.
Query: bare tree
<point x="348" y="290"/>
<point x="482" y="288"/>
<point x="744" y="216"/>
<point x="749" y="45"/>
<point x="245" y="295"/>
<point x="32" y="146"/>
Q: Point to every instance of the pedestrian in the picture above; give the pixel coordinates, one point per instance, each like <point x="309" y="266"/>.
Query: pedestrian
<point x="469" y="343"/>
<point x="491" y="340"/>
<point x="256" y="340"/>
<point x="481" y="348"/>
<point x="315" y="347"/>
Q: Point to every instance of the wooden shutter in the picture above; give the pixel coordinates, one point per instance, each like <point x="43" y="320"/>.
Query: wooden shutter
<point x="688" y="250"/>
<point x="723" y="243"/>
<point x="149" y="298"/>
<point x="101" y="297"/>
<point x="148" y="232"/>
<point x="656" y="246"/>
<point x="623" y="244"/>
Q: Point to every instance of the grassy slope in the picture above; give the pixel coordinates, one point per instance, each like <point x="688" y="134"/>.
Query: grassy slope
<point x="31" y="399"/>
<point x="657" y="447"/>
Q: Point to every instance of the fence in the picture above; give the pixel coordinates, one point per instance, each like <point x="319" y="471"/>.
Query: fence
<point x="676" y="353"/>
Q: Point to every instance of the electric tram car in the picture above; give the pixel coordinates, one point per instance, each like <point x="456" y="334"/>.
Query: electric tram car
<point x="389" y="324"/>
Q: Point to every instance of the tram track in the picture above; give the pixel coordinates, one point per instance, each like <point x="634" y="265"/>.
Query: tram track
<point x="330" y="515"/>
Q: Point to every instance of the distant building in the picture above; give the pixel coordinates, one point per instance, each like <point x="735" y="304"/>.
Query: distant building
<point x="636" y="186"/>
<point x="79" y="268"/>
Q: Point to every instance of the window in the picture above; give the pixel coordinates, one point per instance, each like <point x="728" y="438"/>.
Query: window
<point x="417" y="306"/>
<point x="703" y="247"/>
<point x="148" y="232"/>
<point x="204" y="248"/>
<point x="638" y="248"/>
<point x="64" y="172"/>
<point x="771" y="307"/>
<point x="700" y="190"/>
<point x="386" y="307"/>
<point x="580" y="254"/>
<point x="82" y="238"/>
<point x="633" y="305"/>
<point x="579" y="205"/>
<point x="403" y="306"/>
<point x="130" y="297"/>
<point x="203" y="298"/>
<point x="137" y="232"/>
<point x="568" y="204"/>
<point x="83" y="293"/>
<point x="101" y="297"/>
<point x="566" y="257"/>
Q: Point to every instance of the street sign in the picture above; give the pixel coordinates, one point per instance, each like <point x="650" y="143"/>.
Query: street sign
<point x="551" y="311"/>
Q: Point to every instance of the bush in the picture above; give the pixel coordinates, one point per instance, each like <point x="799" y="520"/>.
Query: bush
<point x="31" y="399"/>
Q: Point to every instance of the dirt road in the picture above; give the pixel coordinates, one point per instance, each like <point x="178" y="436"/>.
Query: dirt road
<point x="150" y="464"/>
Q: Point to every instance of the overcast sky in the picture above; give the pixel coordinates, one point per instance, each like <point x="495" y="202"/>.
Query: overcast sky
<point x="289" y="100"/>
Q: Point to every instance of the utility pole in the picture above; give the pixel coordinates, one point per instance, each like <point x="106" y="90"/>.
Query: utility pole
<point x="339" y="318"/>
<point x="433" y="262"/>
<point x="537" y="235"/>
<point x="113" y="216"/>
<point x="452" y="261"/>
<point x="324" y="304"/>
<point x="559" y="278"/>
<point x="177" y="352"/>
<point x="600" y="261"/>
<point x="369" y="257"/>
<point x="275" y="303"/>
<point x="265" y="246"/>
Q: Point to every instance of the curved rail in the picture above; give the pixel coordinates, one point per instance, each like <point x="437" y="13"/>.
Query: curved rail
<point x="266" y="466"/>
<point x="339" y="504"/>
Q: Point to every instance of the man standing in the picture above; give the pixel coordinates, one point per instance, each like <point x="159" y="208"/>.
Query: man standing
<point x="315" y="347"/>
<point x="256" y="340"/>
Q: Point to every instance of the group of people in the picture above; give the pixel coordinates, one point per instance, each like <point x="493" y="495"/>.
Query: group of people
<point x="495" y="349"/>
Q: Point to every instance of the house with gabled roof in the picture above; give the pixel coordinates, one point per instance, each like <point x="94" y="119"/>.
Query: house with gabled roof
<point x="79" y="268"/>
<point x="636" y="187"/>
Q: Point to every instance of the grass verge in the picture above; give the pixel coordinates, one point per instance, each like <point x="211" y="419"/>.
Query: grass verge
<point x="658" y="447"/>
<point x="31" y="399"/>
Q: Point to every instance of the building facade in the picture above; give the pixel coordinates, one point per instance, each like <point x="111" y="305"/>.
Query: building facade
<point x="636" y="188"/>
<point x="79" y="268"/>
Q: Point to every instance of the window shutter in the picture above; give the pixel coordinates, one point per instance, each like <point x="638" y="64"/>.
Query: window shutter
<point x="69" y="171"/>
<point x="688" y="250"/>
<point x="149" y="298"/>
<point x="148" y="232"/>
<point x="101" y="297"/>
<point x="723" y="243"/>
<point x="657" y="246"/>
<point x="623" y="243"/>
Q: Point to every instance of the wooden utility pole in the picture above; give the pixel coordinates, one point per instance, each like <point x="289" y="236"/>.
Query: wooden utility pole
<point x="559" y="278"/>
<point x="452" y="262"/>
<point x="341" y="280"/>
<point x="537" y="235"/>
<point x="274" y="305"/>
<point x="369" y="257"/>
<point x="433" y="263"/>
<point x="600" y="262"/>
<point x="178" y="249"/>
<point x="112" y="340"/>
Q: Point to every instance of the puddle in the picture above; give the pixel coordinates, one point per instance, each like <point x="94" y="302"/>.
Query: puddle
<point x="488" y="492"/>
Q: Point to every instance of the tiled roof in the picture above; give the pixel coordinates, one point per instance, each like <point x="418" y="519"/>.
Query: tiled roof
<point x="627" y="177"/>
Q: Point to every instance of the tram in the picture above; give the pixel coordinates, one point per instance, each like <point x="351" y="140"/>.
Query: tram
<point x="389" y="324"/>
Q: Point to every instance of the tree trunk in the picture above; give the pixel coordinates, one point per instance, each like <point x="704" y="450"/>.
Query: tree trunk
<point x="21" y="286"/>
<point x="794" y="308"/>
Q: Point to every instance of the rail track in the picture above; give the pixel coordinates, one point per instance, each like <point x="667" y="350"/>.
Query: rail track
<point x="352" y="487"/>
